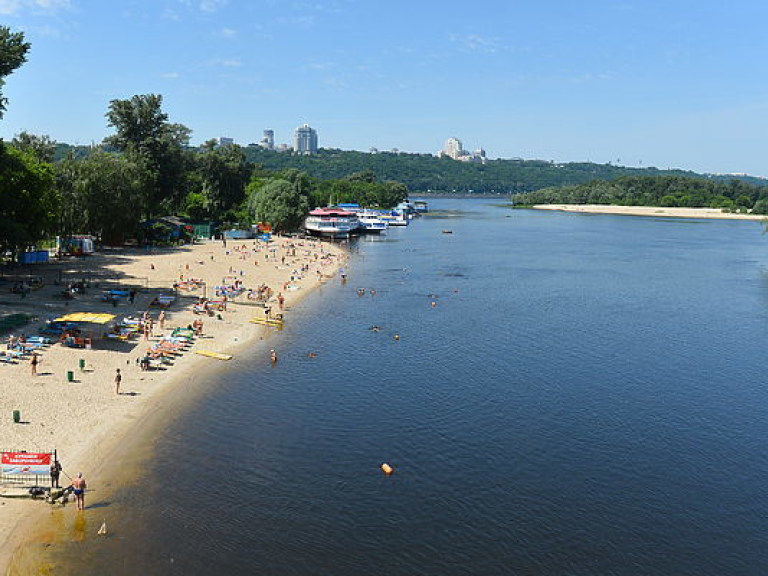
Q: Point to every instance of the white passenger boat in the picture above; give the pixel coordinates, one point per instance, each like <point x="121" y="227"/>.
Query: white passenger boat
<point x="371" y="222"/>
<point x="332" y="223"/>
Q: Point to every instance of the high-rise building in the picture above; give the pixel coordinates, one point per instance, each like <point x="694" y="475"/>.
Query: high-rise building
<point x="454" y="149"/>
<point x="268" y="141"/>
<point x="305" y="140"/>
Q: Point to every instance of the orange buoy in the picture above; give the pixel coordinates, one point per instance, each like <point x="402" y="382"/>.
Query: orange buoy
<point x="387" y="469"/>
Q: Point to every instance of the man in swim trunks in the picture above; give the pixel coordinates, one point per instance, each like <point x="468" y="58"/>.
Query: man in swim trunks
<point x="78" y="488"/>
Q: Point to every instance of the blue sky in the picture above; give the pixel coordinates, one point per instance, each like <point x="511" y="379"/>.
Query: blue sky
<point x="677" y="83"/>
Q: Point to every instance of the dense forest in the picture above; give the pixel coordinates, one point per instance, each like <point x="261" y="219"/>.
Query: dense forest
<point x="733" y="195"/>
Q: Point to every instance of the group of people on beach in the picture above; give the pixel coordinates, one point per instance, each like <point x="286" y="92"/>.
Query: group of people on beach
<point x="297" y="259"/>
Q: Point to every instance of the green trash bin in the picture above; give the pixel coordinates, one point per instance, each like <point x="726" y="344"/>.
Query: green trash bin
<point x="16" y="416"/>
<point x="82" y="364"/>
<point x="70" y="376"/>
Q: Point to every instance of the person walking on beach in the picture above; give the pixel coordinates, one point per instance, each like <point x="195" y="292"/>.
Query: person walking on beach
<point x="33" y="362"/>
<point x="118" y="380"/>
<point x="78" y="488"/>
<point x="161" y="319"/>
<point x="55" y="471"/>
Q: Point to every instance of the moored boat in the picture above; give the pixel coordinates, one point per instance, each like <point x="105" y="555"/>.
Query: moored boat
<point x="395" y="218"/>
<point x="371" y="222"/>
<point x="332" y="223"/>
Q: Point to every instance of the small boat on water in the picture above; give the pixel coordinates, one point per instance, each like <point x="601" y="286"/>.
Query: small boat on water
<point x="420" y="206"/>
<point x="332" y="222"/>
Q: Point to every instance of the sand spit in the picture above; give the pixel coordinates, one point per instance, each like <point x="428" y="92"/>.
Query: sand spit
<point x="649" y="211"/>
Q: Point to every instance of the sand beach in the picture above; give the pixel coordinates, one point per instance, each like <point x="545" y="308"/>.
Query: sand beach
<point x="664" y="212"/>
<point x="71" y="404"/>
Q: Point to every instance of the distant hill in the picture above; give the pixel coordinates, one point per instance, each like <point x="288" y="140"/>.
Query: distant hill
<point x="424" y="173"/>
<point x="427" y="173"/>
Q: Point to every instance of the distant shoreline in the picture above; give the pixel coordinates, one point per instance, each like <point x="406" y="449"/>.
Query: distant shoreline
<point x="657" y="211"/>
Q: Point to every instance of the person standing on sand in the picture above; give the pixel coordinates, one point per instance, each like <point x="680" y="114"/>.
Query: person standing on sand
<point x="78" y="488"/>
<point x="118" y="380"/>
<point x="33" y="362"/>
<point x="161" y="319"/>
<point x="55" y="471"/>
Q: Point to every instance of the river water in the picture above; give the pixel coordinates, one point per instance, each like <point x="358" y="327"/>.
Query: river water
<point x="587" y="395"/>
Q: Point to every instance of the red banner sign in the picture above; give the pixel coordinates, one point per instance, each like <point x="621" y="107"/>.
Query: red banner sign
<point x="26" y="463"/>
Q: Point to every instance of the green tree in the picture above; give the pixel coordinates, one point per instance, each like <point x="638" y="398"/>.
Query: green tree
<point x="223" y="174"/>
<point x="13" y="53"/>
<point x="29" y="202"/>
<point x="103" y="195"/>
<point x="41" y="146"/>
<point x="144" y="133"/>
<point x="281" y="203"/>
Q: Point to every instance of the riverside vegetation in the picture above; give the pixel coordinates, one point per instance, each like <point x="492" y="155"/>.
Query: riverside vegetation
<point x="667" y="191"/>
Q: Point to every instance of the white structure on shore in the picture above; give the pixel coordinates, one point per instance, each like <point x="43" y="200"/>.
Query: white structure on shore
<point x="305" y="140"/>
<point x="453" y="149"/>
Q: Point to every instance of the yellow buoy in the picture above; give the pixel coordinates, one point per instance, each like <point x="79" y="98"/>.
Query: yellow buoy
<point x="387" y="469"/>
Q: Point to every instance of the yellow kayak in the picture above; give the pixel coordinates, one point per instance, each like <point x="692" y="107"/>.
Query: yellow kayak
<point x="211" y="354"/>
<point x="267" y="322"/>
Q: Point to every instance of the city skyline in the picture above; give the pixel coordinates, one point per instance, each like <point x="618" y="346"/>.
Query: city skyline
<point x="671" y="85"/>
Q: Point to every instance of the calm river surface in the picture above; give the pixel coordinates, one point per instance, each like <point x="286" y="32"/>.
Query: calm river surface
<point x="587" y="396"/>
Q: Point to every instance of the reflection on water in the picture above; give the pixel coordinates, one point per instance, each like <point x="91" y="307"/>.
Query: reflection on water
<point x="587" y="398"/>
<point x="79" y="527"/>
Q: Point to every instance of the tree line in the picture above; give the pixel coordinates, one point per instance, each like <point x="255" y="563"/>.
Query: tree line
<point x="668" y="191"/>
<point x="425" y="173"/>
<point x="146" y="169"/>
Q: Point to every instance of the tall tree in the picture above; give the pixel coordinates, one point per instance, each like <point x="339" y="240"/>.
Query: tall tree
<point x="223" y="173"/>
<point x="13" y="53"/>
<point x="144" y="133"/>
